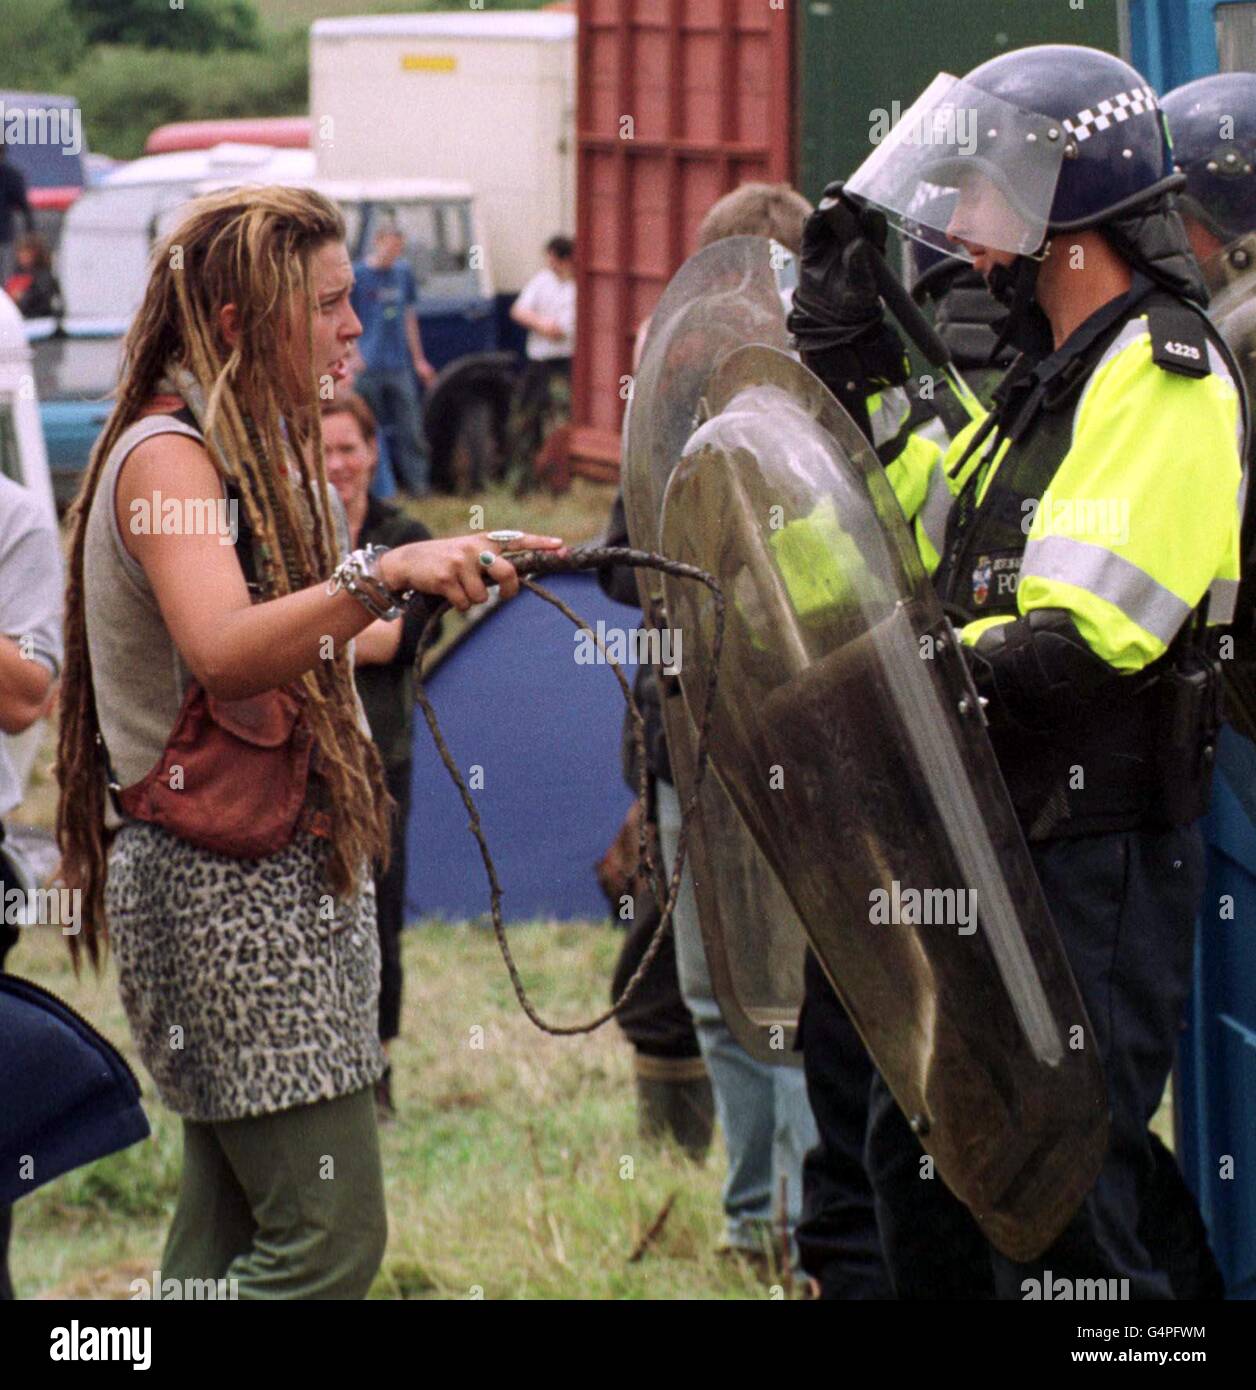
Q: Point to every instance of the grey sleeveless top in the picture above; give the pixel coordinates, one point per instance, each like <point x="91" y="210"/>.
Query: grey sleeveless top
<point x="138" y="677"/>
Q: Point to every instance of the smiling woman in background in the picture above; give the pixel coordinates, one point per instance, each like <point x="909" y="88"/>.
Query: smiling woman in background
<point x="383" y="658"/>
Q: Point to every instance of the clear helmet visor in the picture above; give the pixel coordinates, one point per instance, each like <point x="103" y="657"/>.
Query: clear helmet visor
<point x="964" y="166"/>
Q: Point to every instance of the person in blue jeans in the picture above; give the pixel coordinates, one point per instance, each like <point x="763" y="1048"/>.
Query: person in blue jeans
<point x="763" y="1110"/>
<point x="385" y="297"/>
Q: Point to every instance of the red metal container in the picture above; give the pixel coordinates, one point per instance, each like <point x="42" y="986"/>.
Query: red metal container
<point x="678" y="102"/>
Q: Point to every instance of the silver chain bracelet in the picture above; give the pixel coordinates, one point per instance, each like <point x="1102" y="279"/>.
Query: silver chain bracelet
<point x="358" y="574"/>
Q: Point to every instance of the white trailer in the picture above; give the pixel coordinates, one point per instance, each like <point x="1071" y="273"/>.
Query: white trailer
<point x="487" y="98"/>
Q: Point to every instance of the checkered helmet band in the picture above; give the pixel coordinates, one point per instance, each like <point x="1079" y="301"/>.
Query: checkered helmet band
<point x="1112" y="111"/>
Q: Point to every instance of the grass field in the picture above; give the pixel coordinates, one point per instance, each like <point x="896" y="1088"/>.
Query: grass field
<point x="577" y="515"/>
<point x="506" y="1169"/>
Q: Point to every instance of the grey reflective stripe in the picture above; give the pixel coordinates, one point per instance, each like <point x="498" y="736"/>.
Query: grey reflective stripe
<point x="934" y="430"/>
<point x="936" y="508"/>
<point x="1108" y="576"/>
<point x="1223" y="594"/>
<point x="888" y="418"/>
<point x="1139" y="592"/>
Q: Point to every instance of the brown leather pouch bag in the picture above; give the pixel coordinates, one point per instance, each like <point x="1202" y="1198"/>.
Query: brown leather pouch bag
<point x="233" y="776"/>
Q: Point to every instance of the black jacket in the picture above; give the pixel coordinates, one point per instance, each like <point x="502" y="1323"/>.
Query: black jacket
<point x="12" y="199"/>
<point x="42" y="297"/>
<point x="388" y="691"/>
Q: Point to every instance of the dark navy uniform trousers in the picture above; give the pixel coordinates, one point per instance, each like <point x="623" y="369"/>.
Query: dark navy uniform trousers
<point x="1125" y="906"/>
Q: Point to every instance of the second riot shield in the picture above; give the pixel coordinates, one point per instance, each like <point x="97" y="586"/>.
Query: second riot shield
<point x="850" y="738"/>
<point x="721" y="299"/>
<point x="1231" y="278"/>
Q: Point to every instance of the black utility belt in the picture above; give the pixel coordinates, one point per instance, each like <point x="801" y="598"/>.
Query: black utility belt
<point x="1142" y="761"/>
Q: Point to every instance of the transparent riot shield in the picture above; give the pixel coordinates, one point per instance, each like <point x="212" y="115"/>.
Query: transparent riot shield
<point x="1231" y="276"/>
<point x="851" y="740"/>
<point x="722" y="298"/>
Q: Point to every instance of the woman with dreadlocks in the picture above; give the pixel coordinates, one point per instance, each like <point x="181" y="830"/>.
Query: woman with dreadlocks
<point x="221" y="800"/>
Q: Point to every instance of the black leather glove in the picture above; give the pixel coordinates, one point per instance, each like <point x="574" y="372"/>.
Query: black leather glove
<point x="836" y="299"/>
<point x="837" y="318"/>
<point x="1037" y="672"/>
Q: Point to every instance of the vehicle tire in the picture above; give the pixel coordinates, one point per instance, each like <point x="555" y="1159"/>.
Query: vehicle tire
<point x="474" y="456"/>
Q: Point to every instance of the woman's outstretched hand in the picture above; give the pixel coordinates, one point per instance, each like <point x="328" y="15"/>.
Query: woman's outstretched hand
<point x="455" y="570"/>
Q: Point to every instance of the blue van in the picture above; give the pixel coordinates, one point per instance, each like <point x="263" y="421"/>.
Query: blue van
<point x="43" y="140"/>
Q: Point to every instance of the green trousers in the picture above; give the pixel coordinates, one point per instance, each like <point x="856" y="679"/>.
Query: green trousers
<point x="289" y="1205"/>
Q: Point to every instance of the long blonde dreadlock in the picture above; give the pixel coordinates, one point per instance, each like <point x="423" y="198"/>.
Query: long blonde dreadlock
<point x="252" y="248"/>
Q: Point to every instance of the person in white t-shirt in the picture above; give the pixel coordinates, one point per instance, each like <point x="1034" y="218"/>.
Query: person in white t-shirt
<point x="546" y="307"/>
<point x="31" y="653"/>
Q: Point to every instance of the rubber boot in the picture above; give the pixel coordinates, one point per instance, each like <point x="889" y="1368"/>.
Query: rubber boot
<point x="675" y="1101"/>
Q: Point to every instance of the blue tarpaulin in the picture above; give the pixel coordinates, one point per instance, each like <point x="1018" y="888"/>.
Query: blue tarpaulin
<point x="544" y="732"/>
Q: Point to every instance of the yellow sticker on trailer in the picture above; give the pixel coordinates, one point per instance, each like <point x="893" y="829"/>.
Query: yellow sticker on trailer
<point x="429" y="62"/>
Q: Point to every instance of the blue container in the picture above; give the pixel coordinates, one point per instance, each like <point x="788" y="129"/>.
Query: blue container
<point x="1173" y="41"/>
<point x="453" y="328"/>
<point x="1216" y="1082"/>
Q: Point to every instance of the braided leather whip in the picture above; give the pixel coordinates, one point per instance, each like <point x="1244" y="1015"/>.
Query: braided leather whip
<point x="533" y="562"/>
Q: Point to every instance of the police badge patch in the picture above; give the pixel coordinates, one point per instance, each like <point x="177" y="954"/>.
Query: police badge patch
<point x="981" y="580"/>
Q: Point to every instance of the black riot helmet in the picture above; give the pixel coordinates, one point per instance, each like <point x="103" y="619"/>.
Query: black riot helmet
<point x="1053" y="138"/>
<point x="1036" y="142"/>
<point x="1212" y="123"/>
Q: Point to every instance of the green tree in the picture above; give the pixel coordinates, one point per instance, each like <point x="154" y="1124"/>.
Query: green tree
<point x="42" y="41"/>
<point x="190" y="25"/>
<point x="125" y="94"/>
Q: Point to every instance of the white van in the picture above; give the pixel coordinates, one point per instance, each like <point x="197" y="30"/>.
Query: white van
<point x="103" y="267"/>
<point x="110" y="230"/>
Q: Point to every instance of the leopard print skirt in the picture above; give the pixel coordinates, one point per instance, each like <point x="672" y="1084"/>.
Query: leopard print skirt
<point x="248" y="987"/>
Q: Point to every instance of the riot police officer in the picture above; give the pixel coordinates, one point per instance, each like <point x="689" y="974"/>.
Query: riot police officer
<point x="834" y="1240"/>
<point x="1091" y="531"/>
<point x="1213" y="125"/>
